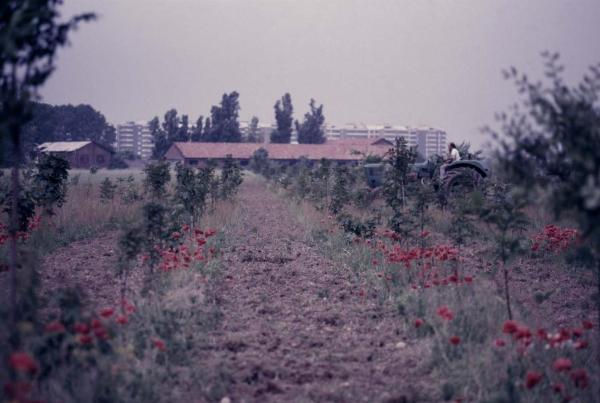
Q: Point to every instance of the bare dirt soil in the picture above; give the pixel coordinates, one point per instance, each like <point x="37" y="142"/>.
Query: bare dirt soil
<point x="91" y="267"/>
<point x="296" y="326"/>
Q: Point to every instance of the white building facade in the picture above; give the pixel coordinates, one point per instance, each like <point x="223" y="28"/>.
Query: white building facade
<point x="428" y="141"/>
<point x="135" y="137"/>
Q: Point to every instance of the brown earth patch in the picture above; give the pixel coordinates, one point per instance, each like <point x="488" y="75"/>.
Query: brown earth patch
<point x="295" y="325"/>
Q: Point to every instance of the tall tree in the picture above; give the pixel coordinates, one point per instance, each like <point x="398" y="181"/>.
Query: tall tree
<point x="197" y="132"/>
<point x="253" y="134"/>
<point x="206" y="131"/>
<point x="171" y="125"/>
<point x="310" y="131"/>
<point x="183" y="130"/>
<point x="224" y="118"/>
<point x="66" y="123"/>
<point x="283" y="117"/>
<point x="161" y="143"/>
<point x="30" y="34"/>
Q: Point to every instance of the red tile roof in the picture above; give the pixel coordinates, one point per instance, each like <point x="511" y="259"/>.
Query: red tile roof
<point x="338" y="151"/>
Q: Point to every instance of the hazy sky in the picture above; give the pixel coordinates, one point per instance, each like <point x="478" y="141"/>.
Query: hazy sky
<point x="411" y="62"/>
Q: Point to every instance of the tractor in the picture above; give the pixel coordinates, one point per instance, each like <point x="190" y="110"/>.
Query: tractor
<point x="460" y="176"/>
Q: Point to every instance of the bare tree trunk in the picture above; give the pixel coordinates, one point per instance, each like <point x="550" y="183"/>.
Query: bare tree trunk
<point x="13" y="231"/>
<point x="598" y="298"/>
<point x="506" y="292"/>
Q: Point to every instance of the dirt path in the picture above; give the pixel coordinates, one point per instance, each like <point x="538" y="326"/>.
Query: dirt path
<point x="296" y="327"/>
<point x="90" y="266"/>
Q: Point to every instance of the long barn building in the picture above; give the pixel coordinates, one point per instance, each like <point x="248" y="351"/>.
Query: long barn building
<point x="195" y="154"/>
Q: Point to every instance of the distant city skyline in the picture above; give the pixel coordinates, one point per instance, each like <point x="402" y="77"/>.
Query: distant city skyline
<point x="416" y="63"/>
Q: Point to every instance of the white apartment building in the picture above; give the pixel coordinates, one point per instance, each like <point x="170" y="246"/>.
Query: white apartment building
<point x="135" y="137"/>
<point x="264" y="129"/>
<point x="427" y="140"/>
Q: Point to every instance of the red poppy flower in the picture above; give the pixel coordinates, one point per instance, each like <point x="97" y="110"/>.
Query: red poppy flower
<point x="81" y="328"/>
<point x="101" y="333"/>
<point x="455" y="340"/>
<point x="106" y="312"/>
<point x="510" y="327"/>
<point x="95" y="323"/>
<point x="580" y="345"/>
<point x="580" y="378"/>
<point x="542" y="334"/>
<point x="587" y="324"/>
<point x="122" y="319"/>
<point x="85" y="339"/>
<point x="374" y="262"/>
<point x="500" y="343"/>
<point x="18" y="390"/>
<point x="445" y="313"/>
<point x="23" y="362"/>
<point x="159" y="344"/>
<point x="532" y="378"/>
<point x="418" y="322"/>
<point x="54" y="327"/>
<point x="468" y="279"/>
<point x="562" y="364"/>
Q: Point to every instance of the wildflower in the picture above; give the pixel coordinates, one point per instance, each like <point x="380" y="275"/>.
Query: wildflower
<point x="106" y="312"/>
<point x="532" y="378"/>
<point x="580" y="345"/>
<point x="510" y="327"/>
<point x="580" y="378"/>
<point x="564" y="334"/>
<point x="587" y="324"/>
<point x="542" y="334"/>
<point x="468" y="279"/>
<point x="445" y="313"/>
<point x="81" y="328"/>
<point x="18" y="390"/>
<point x="95" y="324"/>
<point x="159" y="344"/>
<point x="418" y="322"/>
<point x="455" y="340"/>
<point x="23" y="362"/>
<point x="101" y="333"/>
<point x="54" y="327"/>
<point x="129" y="308"/>
<point x="374" y="262"/>
<point x="523" y="333"/>
<point x="122" y="320"/>
<point x="562" y="364"/>
<point x="499" y="343"/>
<point x="85" y="339"/>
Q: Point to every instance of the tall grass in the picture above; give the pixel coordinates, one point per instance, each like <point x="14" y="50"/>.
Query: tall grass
<point x="84" y="214"/>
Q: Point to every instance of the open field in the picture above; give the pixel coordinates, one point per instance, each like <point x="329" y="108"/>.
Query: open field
<point x="287" y="306"/>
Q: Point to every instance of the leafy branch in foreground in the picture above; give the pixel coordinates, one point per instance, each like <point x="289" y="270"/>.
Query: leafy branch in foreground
<point x="550" y="142"/>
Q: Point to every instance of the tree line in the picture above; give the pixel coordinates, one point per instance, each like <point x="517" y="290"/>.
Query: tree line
<point x="50" y="123"/>
<point x="223" y="125"/>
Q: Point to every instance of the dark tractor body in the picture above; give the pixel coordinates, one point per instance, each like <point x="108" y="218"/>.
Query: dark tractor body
<point x="463" y="173"/>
